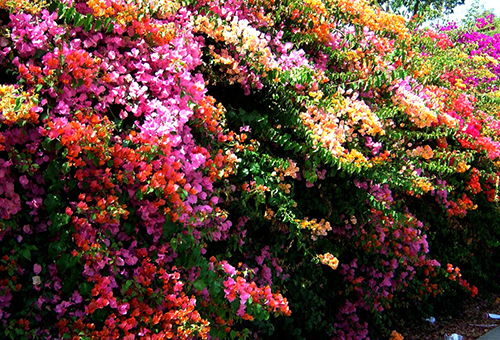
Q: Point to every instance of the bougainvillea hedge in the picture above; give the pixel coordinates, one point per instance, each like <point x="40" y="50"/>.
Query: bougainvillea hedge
<point x="241" y="168"/>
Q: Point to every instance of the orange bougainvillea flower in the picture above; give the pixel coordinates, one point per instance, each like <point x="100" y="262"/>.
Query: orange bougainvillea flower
<point x="29" y="6"/>
<point x="371" y="17"/>
<point x="140" y="16"/>
<point x="317" y="228"/>
<point x="18" y="106"/>
<point x="328" y="260"/>
<point x="396" y="336"/>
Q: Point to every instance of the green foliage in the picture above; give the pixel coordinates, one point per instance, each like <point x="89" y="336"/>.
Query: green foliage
<point x="423" y="9"/>
<point x="193" y="168"/>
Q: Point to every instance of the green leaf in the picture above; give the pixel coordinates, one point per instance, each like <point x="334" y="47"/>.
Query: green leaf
<point x="199" y="284"/>
<point x="221" y="333"/>
<point x="61" y="11"/>
<point x="61" y="219"/>
<point x="86" y="288"/>
<point x="183" y="194"/>
<point x="78" y="19"/>
<point x="56" y="248"/>
<point x="88" y="23"/>
<point x="173" y="244"/>
<point x="26" y="253"/>
<point x="39" y="54"/>
<point x="128" y="228"/>
<point x="53" y="6"/>
<point x="108" y="25"/>
<point x="126" y="286"/>
<point x="66" y="168"/>
<point x="255" y="168"/>
<point x="69" y="15"/>
<point x="215" y="289"/>
<point x="19" y="102"/>
<point x="65" y="262"/>
<point x="98" y="25"/>
<point x="52" y="202"/>
<point x="139" y="194"/>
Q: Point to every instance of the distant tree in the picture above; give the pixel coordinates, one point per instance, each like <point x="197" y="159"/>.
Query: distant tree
<point x="426" y="9"/>
<point x="476" y="10"/>
<point x="489" y="23"/>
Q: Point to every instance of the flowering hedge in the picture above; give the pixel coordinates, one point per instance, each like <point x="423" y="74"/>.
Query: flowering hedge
<point x="241" y="168"/>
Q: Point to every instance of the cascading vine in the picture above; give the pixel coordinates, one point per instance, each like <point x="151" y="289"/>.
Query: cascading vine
<point x="240" y="168"/>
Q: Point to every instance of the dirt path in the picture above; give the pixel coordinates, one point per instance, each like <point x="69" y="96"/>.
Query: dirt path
<point x="471" y="321"/>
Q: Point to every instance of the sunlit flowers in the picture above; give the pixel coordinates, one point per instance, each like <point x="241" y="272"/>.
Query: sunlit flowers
<point x="18" y="106"/>
<point x="317" y="228"/>
<point x="425" y="152"/>
<point x="328" y="260"/>
<point x="366" y="15"/>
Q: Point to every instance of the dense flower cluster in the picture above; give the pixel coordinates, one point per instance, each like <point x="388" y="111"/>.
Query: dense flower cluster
<point x="196" y="169"/>
<point x="328" y="260"/>
<point x="18" y="105"/>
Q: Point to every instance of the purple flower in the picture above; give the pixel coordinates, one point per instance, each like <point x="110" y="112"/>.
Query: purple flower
<point x="37" y="268"/>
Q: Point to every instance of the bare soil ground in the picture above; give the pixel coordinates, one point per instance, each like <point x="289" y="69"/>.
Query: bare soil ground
<point x="471" y="321"/>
